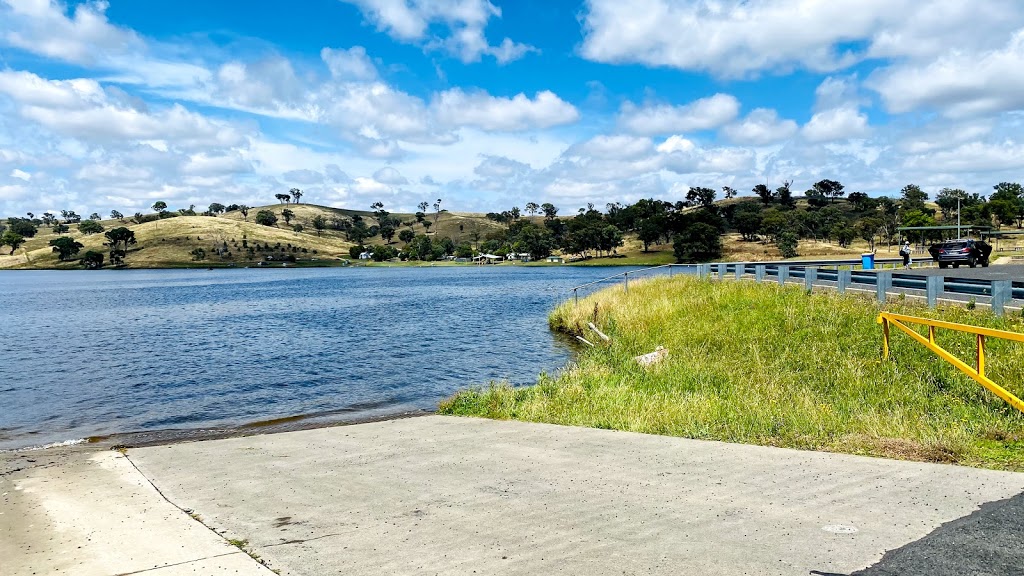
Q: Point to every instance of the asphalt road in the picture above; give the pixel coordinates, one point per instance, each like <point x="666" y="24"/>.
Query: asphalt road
<point x="1004" y="272"/>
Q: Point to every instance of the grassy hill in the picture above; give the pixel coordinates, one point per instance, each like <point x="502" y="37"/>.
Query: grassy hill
<point x="171" y="242"/>
<point x="226" y="240"/>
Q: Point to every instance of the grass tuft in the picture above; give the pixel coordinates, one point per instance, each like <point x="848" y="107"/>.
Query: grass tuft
<point x="771" y="365"/>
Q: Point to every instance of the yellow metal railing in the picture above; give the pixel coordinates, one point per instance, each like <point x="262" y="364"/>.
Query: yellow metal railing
<point x="978" y="372"/>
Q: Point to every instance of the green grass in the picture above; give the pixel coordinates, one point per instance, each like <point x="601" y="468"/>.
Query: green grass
<point x="761" y="364"/>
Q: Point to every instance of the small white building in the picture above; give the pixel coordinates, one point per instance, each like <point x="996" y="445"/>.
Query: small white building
<point x="365" y="256"/>
<point x="556" y="259"/>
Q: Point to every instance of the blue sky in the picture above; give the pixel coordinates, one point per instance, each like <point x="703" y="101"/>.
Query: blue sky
<point x="492" y="104"/>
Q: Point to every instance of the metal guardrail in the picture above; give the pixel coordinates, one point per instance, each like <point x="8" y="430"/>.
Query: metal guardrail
<point x="843" y="274"/>
<point x="887" y="319"/>
<point x="732" y="265"/>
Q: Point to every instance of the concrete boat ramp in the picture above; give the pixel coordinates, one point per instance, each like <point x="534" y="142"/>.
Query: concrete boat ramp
<point x="442" y="495"/>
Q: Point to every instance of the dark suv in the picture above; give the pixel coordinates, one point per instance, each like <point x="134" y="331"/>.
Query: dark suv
<point x="957" y="252"/>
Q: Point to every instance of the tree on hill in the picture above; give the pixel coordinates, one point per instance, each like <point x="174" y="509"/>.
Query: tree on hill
<point x="118" y="240"/>
<point x="868" y="228"/>
<point x="1008" y="203"/>
<point x="386" y="230"/>
<point x="701" y="196"/>
<point x="437" y="210"/>
<point x="698" y="242"/>
<point x="266" y="218"/>
<point x="423" y="206"/>
<point x="65" y="247"/>
<point x="649" y="231"/>
<point x="532" y="208"/>
<point x="296" y="194"/>
<point x="913" y="198"/>
<point x="12" y="239"/>
<point x="287" y="214"/>
<point x="860" y="201"/>
<point x="728" y="192"/>
<point x="95" y="216"/>
<point x="159" y="206"/>
<point x="60" y="228"/>
<point x="406" y="236"/>
<point x="785" y="193"/>
<point x="829" y="189"/>
<point x="92" y="260"/>
<point x="115" y="215"/>
<point x="90" y="227"/>
<point x="22" y="227"/>
<point x="764" y="192"/>
<point x="283" y="198"/>
<point x="747" y="220"/>
<point x="319" y="223"/>
<point x="217" y="208"/>
<point x="788" y="242"/>
<point x="245" y="211"/>
<point x="48" y="219"/>
<point x="426" y="225"/>
<point x="549" y="210"/>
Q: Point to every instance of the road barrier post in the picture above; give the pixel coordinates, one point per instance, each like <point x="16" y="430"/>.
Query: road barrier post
<point x="810" y="277"/>
<point x="783" y="275"/>
<point x="722" y="268"/>
<point x="740" y="269"/>
<point x="883" y="284"/>
<point x="1002" y="293"/>
<point x="705" y="270"/>
<point x="759" y="272"/>
<point x="843" y="279"/>
<point x="933" y="286"/>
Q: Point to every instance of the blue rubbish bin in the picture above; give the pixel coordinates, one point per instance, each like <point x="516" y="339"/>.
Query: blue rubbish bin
<point x="867" y="261"/>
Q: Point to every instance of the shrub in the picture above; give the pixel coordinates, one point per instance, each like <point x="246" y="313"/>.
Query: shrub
<point x="266" y="218"/>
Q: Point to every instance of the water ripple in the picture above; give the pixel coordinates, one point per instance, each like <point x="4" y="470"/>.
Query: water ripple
<point x="91" y="354"/>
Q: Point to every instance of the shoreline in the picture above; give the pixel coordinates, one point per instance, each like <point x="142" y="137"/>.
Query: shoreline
<point x="164" y="437"/>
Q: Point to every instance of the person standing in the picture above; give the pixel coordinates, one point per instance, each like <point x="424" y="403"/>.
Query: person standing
<point x="905" y="252"/>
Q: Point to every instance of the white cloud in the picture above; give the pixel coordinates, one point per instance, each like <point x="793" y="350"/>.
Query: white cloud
<point x="960" y="83"/>
<point x="837" y="115"/>
<point x="43" y="27"/>
<point x="972" y="157"/>
<point x="836" y="124"/>
<point x="465" y="20"/>
<point x="390" y="176"/>
<point x="351" y="64"/>
<point x="82" y="109"/>
<point x="761" y="127"/>
<point x="455" y="108"/>
<point x="703" y="114"/>
<point x="739" y="38"/>
<point x="613" y="147"/>
<point x="303" y="176"/>
<point x="21" y="175"/>
<point x="683" y="156"/>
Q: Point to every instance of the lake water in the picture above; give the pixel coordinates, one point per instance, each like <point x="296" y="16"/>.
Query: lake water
<point x="191" y="352"/>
